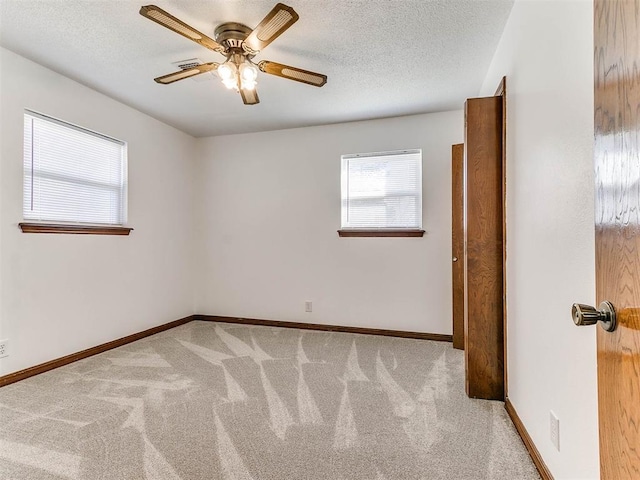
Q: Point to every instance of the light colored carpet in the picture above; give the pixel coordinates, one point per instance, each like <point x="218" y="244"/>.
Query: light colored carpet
<point x="222" y="401"/>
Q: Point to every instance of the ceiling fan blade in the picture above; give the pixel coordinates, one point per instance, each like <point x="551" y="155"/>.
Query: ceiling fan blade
<point x="188" y="73"/>
<point x="249" y="97"/>
<point x="293" y="73"/>
<point x="271" y="27"/>
<point x="167" y="20"/>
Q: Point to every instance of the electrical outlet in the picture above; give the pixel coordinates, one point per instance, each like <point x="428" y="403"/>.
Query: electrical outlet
<point x="4" y="348"/>
<point x="308" y="307"/>
<point x="555" y="430"/>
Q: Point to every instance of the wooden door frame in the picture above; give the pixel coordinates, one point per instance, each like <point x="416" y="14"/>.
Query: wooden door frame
<point x="501" y="91"/>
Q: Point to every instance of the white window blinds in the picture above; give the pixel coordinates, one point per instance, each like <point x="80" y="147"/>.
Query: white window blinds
<point x="382" y="190"/>
<point x="72" y="174"/>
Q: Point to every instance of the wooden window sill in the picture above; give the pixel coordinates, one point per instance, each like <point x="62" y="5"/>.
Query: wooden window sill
<point x="73" y="229"/>
<point x="382" y="233"/>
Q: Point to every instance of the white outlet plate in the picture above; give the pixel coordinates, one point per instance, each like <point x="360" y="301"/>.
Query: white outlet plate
<point x="4" y="348"/>
<point x="308" y="307"/>
<point x="554" y="425"/>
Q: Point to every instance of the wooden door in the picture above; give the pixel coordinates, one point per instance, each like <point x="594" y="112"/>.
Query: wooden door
<point x="457" y="244"/>
<point x="483" y="249"/>
<point x="617" y="168"/>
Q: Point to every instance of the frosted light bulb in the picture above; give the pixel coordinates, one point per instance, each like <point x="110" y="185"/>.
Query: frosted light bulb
<point x="226" y="71"/>
<point x="248" y="72"/>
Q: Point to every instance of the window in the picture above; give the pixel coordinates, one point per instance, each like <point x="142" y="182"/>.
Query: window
<point x="382" y="192"/>
<point x="72" y="175"/>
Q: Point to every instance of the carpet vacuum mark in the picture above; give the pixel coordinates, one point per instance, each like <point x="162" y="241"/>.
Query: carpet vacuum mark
<point x="207" y="401"/>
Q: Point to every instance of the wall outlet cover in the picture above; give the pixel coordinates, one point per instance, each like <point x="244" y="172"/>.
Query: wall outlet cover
<point x="554" y="430"/>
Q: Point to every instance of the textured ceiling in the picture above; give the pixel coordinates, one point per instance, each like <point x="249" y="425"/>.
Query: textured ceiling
<point x="383" y="57"/>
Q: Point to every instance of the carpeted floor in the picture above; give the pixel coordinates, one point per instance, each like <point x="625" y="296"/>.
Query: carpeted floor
<point x="208" y="401"/>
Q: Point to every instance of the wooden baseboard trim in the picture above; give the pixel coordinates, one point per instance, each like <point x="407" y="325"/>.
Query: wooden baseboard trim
<point x="59" y="362"/>
<point x="326" y="328"/>
<point x="543" y="470"/>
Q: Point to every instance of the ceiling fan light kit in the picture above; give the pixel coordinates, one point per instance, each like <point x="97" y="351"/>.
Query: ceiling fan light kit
<point x="239" y="44"/>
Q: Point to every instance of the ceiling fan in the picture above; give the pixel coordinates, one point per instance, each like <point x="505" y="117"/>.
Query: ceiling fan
<point x="239" y="44"/>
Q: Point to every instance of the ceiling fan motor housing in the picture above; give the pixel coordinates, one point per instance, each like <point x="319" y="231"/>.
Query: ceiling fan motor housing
<point x="231" y="35"/>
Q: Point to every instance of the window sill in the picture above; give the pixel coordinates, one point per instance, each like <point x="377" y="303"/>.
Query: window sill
<point x="382" y="233"/>
<point x="73" y="229"/>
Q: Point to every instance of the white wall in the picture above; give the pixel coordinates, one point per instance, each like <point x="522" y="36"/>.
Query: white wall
<point x="546" y="52"/>
<point x="269" y="212"/>
<point x="64" y="293"/>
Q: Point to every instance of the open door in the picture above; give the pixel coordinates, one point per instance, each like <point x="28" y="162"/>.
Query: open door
<point x="483" y="240"/>
<point x="617" y="217"/>
<point x="457" y="243"/>
<point x="617" y="166"/>
<point x="478" y="239"/>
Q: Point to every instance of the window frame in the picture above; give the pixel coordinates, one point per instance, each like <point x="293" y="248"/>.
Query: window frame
<point x="382" y="231"/>
<point x="61" y="226"/>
